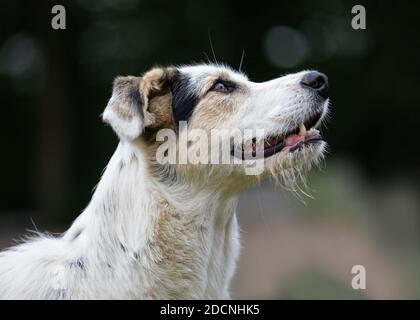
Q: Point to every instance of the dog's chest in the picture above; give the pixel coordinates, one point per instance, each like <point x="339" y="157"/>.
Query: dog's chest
<point x="191" y="259"/>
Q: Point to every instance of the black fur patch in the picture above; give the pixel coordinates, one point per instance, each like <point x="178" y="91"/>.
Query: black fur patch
<point x="103" y="208"/>
<point x="133" y="157"/>
<point x="56" y="294"/>
<point x="183" y="100"/>
<point x="78" y="263"/>
<point x="76" y="234"/>
<point x="134" y="95"/>
<point x="123" y="248"/>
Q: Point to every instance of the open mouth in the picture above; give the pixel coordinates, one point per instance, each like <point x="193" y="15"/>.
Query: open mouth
<point x="291" y="141"/>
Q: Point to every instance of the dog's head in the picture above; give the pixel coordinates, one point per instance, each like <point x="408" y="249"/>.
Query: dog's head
<point x="280" y="117"/>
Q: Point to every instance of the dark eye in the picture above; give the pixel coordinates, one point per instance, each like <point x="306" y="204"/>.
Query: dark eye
<point x="223" y="87"/>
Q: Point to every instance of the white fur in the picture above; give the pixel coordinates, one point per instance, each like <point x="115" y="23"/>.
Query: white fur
<point x="140" y="238"/>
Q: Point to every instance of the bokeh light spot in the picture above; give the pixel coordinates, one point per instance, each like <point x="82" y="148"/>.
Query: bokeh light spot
<point x="285" y="47"/>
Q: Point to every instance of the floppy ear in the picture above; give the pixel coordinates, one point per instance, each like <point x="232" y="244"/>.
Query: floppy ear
<point x="140" y="102"/>
<point x="124" y="111"/>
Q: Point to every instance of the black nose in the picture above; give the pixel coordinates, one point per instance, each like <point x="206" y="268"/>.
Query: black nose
<point x="317" y="81"/>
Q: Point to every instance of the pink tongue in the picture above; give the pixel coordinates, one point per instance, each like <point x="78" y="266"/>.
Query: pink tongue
<point x="290" y="141"/>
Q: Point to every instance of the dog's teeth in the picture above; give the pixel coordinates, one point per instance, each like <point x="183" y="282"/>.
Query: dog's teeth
<point x="302" y="130"/>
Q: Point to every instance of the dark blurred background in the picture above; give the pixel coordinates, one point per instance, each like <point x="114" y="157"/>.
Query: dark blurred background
<point x="54" y="84"/>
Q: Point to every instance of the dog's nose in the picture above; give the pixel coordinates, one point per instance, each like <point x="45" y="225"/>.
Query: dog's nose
<point x="317" y="81"/>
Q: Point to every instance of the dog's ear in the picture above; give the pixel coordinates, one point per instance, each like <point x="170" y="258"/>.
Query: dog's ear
<point x="124" y="111"/>
<point x="140" y="102"/>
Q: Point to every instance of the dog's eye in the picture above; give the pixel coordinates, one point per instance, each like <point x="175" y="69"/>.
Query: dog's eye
<point x="223" y="87"/>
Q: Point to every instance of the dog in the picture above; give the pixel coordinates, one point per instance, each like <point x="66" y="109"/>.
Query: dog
<point x="169" y="231"/>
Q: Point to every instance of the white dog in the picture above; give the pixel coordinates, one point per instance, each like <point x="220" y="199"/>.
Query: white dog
<point x="169" y="231"/>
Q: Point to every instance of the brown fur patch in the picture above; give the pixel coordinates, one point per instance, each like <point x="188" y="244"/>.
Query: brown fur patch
<point x="172" y="230"/>
<point x="157" y="98"/>
<point x="160" y="107"/>
<point x="215" y="110"/>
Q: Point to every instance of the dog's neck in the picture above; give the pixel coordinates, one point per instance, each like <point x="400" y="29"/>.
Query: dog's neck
<point x="177" y="241"/>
